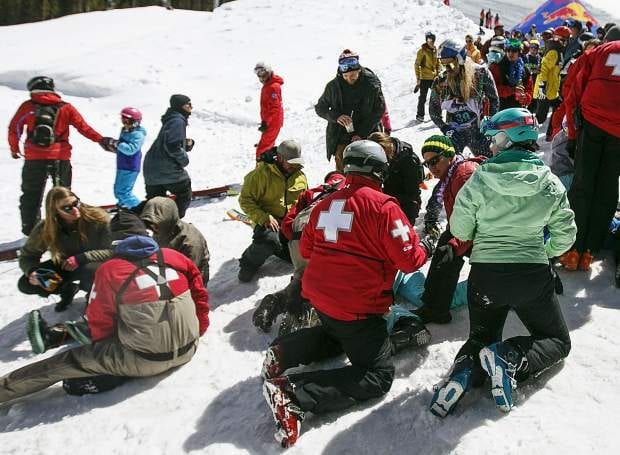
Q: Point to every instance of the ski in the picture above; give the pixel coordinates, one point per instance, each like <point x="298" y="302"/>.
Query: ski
<point x="238" y="216"/>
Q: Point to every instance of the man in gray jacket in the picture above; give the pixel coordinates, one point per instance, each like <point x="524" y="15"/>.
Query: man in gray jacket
<point x="165" y="162"/>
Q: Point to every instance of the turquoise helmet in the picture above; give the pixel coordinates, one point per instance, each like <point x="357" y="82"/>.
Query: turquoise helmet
<point x="511" y="126"/>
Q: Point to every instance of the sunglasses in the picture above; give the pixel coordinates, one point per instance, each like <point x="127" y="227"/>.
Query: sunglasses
<point x="469" y="41"/>
<point x="69" y="208"/>
<point x="433" y="161"/>
<point x="349" y="64"/>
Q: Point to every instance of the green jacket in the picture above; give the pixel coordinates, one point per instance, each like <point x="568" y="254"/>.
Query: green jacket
<point x="505" y="206"/>
<point x="426" y="64"/>
<point x="95" y="249"/>
<point x="266" y="191"/>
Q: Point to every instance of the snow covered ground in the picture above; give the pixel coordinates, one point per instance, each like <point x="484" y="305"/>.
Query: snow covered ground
<point x="106" y="60"/>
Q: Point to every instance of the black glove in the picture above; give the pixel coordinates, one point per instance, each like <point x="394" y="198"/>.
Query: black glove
<point x="444" y="255"/>
<point x="269" y="156"/>
<point x="263" y="127"/>
<point x="428" y="245"/>
<point x="432" y="230"/>
<point x="417" y="88"/>
<point x="108" y="144"/>
<point x="571" y="146"/>
<point x="189" y="144"/>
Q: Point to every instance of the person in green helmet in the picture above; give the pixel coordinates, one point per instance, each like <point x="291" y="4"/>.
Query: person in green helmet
<point x="503" y="209"/>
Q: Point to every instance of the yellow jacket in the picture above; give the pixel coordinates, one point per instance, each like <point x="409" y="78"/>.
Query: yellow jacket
<point x="266" y="191"/>
<point x="473" y="53"/>
<point x="549" y="75"/>
<point x="426" y="64"/>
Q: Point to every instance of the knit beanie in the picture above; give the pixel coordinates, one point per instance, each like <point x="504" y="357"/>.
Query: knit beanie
<point x="178" y="101"/>
<point x="438" y="143"/>
<point x="613" y="34"/>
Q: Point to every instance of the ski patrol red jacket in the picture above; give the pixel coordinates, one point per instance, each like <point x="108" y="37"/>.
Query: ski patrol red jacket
<point x="271" y="112"/>
<point x="355" y="241"/>
<point x="67" y="115"/>
<point x="141" y="308"/>
<point x="596" y="90"/>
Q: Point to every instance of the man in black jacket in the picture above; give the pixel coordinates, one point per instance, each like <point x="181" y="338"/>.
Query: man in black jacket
<point x="352" y="103"/>
<point x="165" y="162"/>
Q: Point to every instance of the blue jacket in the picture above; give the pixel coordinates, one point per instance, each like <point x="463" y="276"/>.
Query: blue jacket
<point x="129" y="149"/>
<point x="165" y="161"/>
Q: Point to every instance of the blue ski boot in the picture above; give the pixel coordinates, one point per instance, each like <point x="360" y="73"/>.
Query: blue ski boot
<point x="449" y="392"/>
<point x="501" y="362"/>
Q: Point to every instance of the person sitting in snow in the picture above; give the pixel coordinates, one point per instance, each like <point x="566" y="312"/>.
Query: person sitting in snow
<point x="148" y="308"/>
<point x="503" y="209"/>
<point x="268" y="192"/>
<point x="161" y="216"/>
<point x="355" y="240"/>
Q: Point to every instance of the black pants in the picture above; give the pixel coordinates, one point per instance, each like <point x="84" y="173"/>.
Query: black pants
<point x="542" y="110"/>
<point x="85" y="275"/>
<point x="264" y="244"/>
<point x="181" y="190"/>
<point x="34" y="178"/>
<point x="425" y="85"/>
<point x="366" y="344"/>
<point x="441" y="280"/>
<point x="495" y="289"/>
<point x="594" y="193"/>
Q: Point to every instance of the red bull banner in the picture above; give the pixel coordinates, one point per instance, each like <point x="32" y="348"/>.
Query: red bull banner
<point x="553" y="13"/>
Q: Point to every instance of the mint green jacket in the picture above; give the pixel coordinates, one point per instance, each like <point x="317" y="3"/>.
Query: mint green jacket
<point x="504" y="207"/>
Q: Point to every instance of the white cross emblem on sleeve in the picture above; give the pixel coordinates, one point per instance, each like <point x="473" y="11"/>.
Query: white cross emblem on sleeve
<point x="614" y="61"/>
<point x="334" y="220"/>
<point x="401" y="230"/>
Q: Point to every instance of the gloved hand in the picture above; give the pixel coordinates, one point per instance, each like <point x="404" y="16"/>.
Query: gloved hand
<point x="432" y="230"/>
<point x="263" y="127"/>
<point x="189" y="144"/>
<point x="16" y="154"/>
<point x="444" y="255"/>
<point x="571" y="146"/>
<point x="416" y="89"/>
<point x="70" y="264"/>
<point x="428" y="245"/>
<point x="520" y="94"/>
<point x="108" y="144"/>
<point x="541" y="92"/>
<point x="448" y="131"/>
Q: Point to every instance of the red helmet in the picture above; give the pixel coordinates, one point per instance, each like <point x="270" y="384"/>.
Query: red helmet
<point x="132" y="113"/>
<point x="562" y="31"/>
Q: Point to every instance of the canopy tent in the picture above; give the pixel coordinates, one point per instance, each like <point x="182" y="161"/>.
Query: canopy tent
<point x="553" y="13"/>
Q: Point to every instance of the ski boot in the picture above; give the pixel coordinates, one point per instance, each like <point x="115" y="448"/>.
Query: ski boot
<point x="585" y="261"/>
<point x="448" y="393"/>
<point x="92" y="385"/>
<point x="409" y="332"/>
<point x="427" y="314"/>
<point x="278" y="393"/>
<point x="41" y="336"/>
<point x="271" y="365"/>
<point x="502" y="362"/>
<point x="68" y="289"/>
<point x="292" y="322"/>
<point x="268" y="310"/>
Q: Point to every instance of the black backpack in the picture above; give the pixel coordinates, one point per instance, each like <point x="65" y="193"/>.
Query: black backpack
<point x="44" y="124"/>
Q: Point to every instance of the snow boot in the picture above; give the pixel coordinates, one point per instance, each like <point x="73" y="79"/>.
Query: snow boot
<point x="427" y="314"/>
<point x="409" y="332"/>
<point x="278" y="393"/>
<point x="419" y="118"/>
<point x="92" y="385"/>
<point x="41" y="336"/>
<point x="68" y="289"/>
<point x="246" y="274"/>
<point x="271" y="364"/>
<point x="585" y="261"/>
<point x="292" y="322"/>
<point x="570" y="260"/>
<point x="267" y="311"/>
<point x="449" y="392"/>
<point x="502" y="362"/>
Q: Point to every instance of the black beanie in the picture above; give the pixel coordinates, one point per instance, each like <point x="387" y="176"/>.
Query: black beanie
<point x="177" y="101"/>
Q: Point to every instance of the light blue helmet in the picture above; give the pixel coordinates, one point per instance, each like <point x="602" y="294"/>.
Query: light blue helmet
<point x="453" y="49"/>
<point x="511" y="126"/>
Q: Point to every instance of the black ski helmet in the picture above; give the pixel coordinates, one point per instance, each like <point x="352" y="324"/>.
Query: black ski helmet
<point x="41" y="83"/>
<point x="430" y="35"/>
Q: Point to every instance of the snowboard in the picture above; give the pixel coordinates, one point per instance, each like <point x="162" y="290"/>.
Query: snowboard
<point x="238" y="216"/>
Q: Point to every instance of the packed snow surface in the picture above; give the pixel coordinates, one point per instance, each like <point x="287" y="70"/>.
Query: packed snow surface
<point x="104" y="61"/>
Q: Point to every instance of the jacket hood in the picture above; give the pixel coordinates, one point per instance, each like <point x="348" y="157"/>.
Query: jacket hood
<point x="275" y="78"/>
<point x="136" y="247"/>
<point x="163" y="213"/>
<point x="171" y="113"/>
<point x="515" y="173"/>
<point x="429" y="48"/>
<point x="45" y="97"/>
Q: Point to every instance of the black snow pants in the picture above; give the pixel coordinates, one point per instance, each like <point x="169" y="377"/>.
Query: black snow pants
<point x="264" y="244"/>
<point x="594" y="193"/>
<point x="181" y="190"/>
<point x="367" y="345"/>
<point x="528" y="289"/>
<point x="425" y="85"/>
<point x="34" y="178"/>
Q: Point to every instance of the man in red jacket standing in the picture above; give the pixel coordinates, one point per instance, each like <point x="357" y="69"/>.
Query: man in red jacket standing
<point x="594" y="99"/>
<point x="452" y="171"/>
<point x="271" y="110"/>
<point x="355" y="241"/>
<point x="47" y="151"/>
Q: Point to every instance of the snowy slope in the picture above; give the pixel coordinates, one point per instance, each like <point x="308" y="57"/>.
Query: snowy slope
<point x="105" y="61"/>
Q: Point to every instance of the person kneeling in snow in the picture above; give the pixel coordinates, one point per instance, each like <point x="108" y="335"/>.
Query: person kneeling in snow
<point x="148" y="308"/>
<point x="503" y="208"/>
<point x="355" y="240"/>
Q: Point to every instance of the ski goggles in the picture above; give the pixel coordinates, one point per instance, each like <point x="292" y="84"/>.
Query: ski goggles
<point x="348" y="64"/>
<point x="69" y="207"/>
